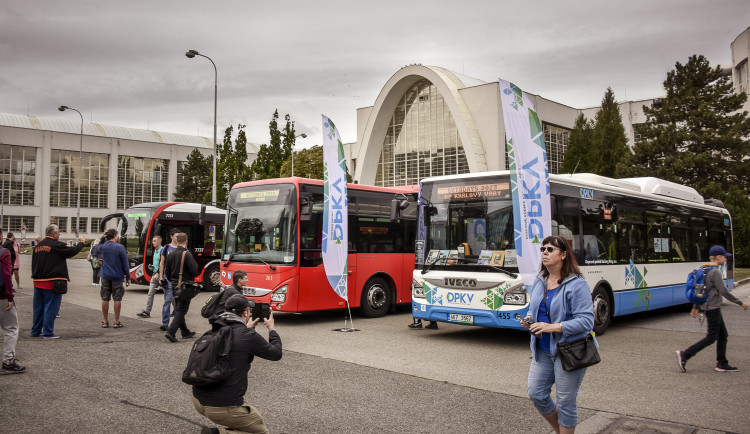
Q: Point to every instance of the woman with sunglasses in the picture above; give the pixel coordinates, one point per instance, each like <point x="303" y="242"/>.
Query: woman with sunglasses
<point x="560" y="310"/>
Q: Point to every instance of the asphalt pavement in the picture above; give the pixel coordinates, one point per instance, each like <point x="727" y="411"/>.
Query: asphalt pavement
<point x="384" y="378"/>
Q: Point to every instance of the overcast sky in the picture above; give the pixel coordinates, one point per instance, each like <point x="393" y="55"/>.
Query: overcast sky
<point x="123" y="63"/>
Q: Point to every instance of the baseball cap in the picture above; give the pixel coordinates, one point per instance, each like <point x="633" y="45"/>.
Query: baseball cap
<point x="718" y="250"/>
<point x="238" y="302"/>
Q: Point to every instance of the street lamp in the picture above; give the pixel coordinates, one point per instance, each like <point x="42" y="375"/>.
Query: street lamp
<point x="190" y="54"/>
<point x="62" y="108"/>
<point x="304" y="136"/>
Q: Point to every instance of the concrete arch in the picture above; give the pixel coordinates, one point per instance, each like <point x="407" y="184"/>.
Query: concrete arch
<point x="448" y="84"/>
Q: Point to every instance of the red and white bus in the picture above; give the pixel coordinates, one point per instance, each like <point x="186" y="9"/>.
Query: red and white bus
<point x="273" y="232"/>
<point x="140" y="223"/>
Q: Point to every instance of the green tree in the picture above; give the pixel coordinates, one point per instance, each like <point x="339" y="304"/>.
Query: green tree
<point x="196" y="178"/>
<point x="231" y="166"/>
<point x="308" y="163"/>
<point x="696" y="134"/>
<point x="271" y="156"/>
<point x="578" y="155"/>
<point x="609" y="144"/>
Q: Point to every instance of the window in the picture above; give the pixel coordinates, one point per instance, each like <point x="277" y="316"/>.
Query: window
<point x="742" y="82"/>
<point x="631" y="235"/>
<point x="96" y="223"/>
<point x="699" y="247"/>
<point x="12" y="223"/>
<point x="64" y="173"/>
<point x="61" y="222"/>
<point x="658" y="236"/>
<point x="679" y="231"/>
<point x="17" y="174"/>
<point x="81" y="227"/>
<point x="565" y="223"/>
<point x="599" y="232"/>
<point x="141" y="180"/>
<point x="556" y="142"/>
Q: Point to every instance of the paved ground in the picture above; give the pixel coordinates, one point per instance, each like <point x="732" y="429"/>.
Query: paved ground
<point x="383" y="379"/>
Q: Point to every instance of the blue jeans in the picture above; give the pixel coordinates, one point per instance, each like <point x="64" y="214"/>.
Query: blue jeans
<point x="547" y="371"/>
<point x="46" y="307"/>
<point x="165" y="310"/>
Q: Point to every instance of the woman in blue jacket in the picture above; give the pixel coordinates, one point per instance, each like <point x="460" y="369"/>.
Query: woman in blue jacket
<point x="560" y="310"/>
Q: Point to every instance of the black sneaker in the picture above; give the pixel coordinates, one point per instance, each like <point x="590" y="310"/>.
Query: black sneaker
<point x="144" y="314"/>
<point x="718" y="368"/>
<point x="163" y="327"/>
<point x="170" y="338"/>
<point x="209" y="430"/>
<point x="681" y="360"/>
<point x="415" y="325"/>
<point x="13" y="368"/>
<point x="432" y="325"/>
<point x="189" y="335"/>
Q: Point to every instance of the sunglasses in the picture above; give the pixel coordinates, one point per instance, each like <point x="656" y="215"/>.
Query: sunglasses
<point x="549" y="249"/>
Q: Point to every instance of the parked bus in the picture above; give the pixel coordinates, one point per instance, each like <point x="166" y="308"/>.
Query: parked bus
<point x="634" y="239"/>
<point x="140" y="223"/>
<point x="273" y="232"/>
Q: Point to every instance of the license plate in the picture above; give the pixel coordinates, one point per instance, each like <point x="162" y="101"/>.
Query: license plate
<point x="459" y="317"/>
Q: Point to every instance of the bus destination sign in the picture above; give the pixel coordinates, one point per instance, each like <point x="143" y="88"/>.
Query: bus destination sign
<point x="259" y="196"/>
<point x="468" y="192"/>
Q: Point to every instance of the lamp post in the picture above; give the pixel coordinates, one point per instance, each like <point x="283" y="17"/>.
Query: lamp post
<point x="190" y="54"/>
<point x="304" y="136"/>
<point x="62" y="108"/>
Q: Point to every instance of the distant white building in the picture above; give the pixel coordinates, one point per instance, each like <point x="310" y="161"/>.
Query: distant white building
<point x="39" y="171"/>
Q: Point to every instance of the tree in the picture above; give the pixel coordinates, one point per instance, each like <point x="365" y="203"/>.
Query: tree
<point x="578" y="154"/>
<point x="695" y="135"/>
<point x="231" y="166"/>
<point x="196" y="178"/>
<point x="609" y="144"/>
<point x="308" y="163"/>
<point x="270" y="157"/>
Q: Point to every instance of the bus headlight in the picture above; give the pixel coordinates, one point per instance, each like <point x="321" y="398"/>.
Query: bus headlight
<point x="417" y="290"/>
<point x="515" y="298"/>
<point x="279" y="295"/>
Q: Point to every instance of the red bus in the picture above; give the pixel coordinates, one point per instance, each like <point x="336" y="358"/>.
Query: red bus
<point x="273" y="233"/>
<point x="140" y="223"/>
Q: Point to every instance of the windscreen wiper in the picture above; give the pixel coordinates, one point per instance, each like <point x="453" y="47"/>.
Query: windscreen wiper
<point x="273" y="268"/>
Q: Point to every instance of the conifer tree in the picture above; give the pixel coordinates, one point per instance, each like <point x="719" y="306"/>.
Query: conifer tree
<point x="578" y="155"/>
<point x="609" y="143"/>
<point x="231" y="166"/>
<point x="196" y="178"/>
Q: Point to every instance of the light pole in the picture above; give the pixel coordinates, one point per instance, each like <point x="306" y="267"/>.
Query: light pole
<point x="304" y="136"/>
<point x="190" y="54"/>
<point x="62" y="108"/>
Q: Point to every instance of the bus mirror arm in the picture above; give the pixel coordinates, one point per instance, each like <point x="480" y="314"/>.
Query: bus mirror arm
<point x="202" y="215"/>
<point x="399" y="203"/>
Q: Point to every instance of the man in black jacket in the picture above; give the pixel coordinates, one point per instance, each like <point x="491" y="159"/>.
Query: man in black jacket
<point x="239" y="280"/>
<point x="225" y="404"/>
<point x="174" y="265"/>
<point x="49" y="270"/>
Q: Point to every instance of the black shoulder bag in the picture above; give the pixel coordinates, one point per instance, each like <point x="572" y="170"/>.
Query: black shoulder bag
<point x="577" y="354"/>
<point x="184" y="290"/>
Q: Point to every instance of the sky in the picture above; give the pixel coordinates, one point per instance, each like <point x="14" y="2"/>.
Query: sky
<point x="123" y="63"/>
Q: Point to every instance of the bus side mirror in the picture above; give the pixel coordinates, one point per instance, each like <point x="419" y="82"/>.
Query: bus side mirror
<point x="305" y="206"/>
<point x="397" y="205"/>
<point x="202" y="215"/>
<point x="429" y="211"/>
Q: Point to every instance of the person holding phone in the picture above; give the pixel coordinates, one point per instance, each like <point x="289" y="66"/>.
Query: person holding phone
<point x="560" y="310"/>
<point x="224" y="403"/>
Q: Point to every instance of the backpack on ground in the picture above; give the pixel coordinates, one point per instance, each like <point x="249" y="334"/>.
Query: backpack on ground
<point x="208" y="364"/>
<point x="695" y="287"/>
<point x="212" y="304"/>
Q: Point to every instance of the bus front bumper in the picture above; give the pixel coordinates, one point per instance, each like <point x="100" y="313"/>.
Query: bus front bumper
<point x="504" y="318"/>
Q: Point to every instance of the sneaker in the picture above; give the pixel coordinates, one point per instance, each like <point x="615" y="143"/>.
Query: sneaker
<point x="415" y="325"/>
<point x="51" y="337"/>
<point x="432" y="325"/>
<point x="209" y="430"/>
<point x="13" y="368"/>
<point x="163" y="327"/>
<point x="681" y="360"/>
<point x="725" y="368"/>
<point x="189" y="335"/>
<point x="144" y="314"/>
<point x="36" y="336"/>
<point x="170" y="338"/>
<point x="57" y="316"/>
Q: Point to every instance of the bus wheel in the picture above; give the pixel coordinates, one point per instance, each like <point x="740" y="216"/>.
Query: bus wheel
<point x="212" y="278"/>
<point x="602" y="310"/>
<point x="375" y="298"/>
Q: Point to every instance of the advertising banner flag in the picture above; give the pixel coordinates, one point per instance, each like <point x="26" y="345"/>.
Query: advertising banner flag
<point x="529" y="175"/>
<point x="335" y="243"/>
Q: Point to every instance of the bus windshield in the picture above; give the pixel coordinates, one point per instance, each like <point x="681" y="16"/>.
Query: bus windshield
<point x="261" y="224"/>
<point x="133" y="236"/>
<point x="469" y="219"/>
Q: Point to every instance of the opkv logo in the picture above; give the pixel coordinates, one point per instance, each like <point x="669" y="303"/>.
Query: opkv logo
<point x="459" y="298"/>
<point x="586" y="193"/>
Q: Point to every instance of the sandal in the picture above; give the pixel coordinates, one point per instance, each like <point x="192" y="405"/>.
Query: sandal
<point x="117" y="325"/>
<point x="105" y="325"/>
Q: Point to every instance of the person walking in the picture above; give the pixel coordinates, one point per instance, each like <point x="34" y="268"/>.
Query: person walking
<point x="96" y="261"/>
<point x="180" y="266"/>
<point x="224" y="403"/>
<point x="8" y="314"/>
<point x="166" y="285"/>
<point x="115" y="275"/>
<point x="49" y="271"/>
<point x="717" y="330"/>
<point x="560" y="310"/>
<point x="15" y="249"/>
<point x="154" y="284"/>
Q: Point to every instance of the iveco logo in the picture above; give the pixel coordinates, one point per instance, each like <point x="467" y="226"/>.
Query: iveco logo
<point x="459" y="283"/>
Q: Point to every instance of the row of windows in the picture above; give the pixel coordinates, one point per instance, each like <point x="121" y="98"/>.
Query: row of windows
<point x="12" y="223"/>
<point x="62" y="223"/>
<point x="141" y="180"/>
<point x="17" y="174"/>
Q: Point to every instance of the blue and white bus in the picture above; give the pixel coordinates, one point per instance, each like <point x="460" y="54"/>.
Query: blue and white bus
<point x="635" y="240"/>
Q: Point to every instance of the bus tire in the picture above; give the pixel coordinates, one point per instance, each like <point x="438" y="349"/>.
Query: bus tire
<point x="602" y="310"/>
<point x="212" y="278"/>
<point x="375" y="298"/>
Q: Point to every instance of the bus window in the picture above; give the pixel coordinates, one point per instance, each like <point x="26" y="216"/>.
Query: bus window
<point x="311" y="235"/>
<point x="565" y="223"/>
<point x="699" y="246"/>
<point x="716" y="236"/>
<point x="598" y="232"/>
<point x="631" y="236"/>
<point x="679" y="244"/>
<point x="658" y="237"/>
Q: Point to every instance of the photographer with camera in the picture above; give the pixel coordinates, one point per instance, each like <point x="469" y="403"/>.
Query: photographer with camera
<point x="224" y="404"/>
<point x="180" y="261"/>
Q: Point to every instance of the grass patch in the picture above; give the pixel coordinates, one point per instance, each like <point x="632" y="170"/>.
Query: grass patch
<point x="741" y="273"/>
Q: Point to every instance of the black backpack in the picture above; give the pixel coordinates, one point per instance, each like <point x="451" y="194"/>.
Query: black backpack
<point x="212" y="304"/>
<point x="208" y="364"/>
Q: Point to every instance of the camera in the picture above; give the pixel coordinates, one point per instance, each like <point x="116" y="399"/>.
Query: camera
<point x="262" y="311"/>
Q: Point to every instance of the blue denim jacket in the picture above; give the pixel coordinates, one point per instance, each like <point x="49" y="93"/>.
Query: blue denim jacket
<point x="571" y="306"/>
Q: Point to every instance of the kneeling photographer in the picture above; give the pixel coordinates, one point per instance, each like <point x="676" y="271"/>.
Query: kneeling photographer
<point x="224" y="403"/>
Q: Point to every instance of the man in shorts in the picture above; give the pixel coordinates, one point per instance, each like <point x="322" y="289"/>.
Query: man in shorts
<point x="115" y="274"/>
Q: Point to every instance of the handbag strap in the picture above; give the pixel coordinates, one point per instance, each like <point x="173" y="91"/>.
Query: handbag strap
<point x="182" y="263"/>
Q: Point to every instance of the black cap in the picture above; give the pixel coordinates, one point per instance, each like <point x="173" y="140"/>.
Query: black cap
<point x="238" y="302"/>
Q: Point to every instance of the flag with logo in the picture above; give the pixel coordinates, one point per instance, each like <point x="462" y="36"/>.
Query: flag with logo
<point x="335" y="243"/>
<point x="529" y="178"/>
